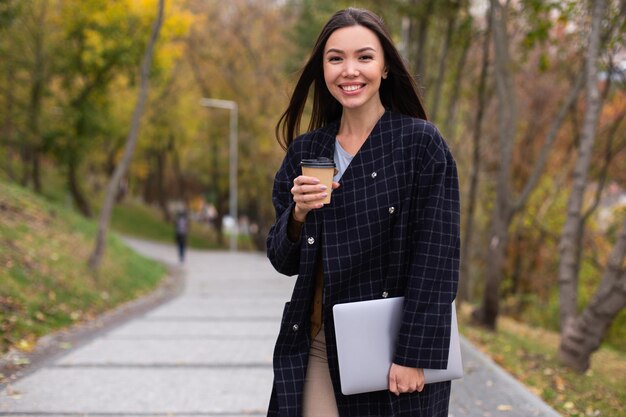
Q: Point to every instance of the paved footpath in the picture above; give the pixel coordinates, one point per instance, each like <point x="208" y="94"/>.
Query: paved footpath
<point x="208" y="352"/>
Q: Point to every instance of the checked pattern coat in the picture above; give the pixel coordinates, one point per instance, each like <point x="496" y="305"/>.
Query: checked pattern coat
<point x="392" y="229"/>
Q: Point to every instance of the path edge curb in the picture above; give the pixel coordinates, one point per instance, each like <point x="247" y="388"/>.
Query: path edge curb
<point x="63" y="341"/>
<point x="523" y="390"/>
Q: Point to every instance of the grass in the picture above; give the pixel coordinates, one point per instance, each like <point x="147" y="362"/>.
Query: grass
<point x="529" y="354"/>
<point x="139" y="220"/>
<point x="46" y="284"/>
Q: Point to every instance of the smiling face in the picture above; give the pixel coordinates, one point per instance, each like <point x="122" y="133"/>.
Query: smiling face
<point x="354" y="64"/>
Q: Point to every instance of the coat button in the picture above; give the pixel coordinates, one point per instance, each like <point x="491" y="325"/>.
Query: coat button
<point x="374" y="174"/>
<point x="385" y="294"/>
<point x="392" y="210"/>
<point x="311" y="240"/>
<point x="295" y="327"/>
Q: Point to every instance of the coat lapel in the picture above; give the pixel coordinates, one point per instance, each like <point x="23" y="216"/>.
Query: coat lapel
<point x="324" y="143"/>
<point x="366" y="155"/>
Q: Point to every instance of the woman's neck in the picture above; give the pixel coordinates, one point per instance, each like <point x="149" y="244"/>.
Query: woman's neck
<point x="356" y="126"/>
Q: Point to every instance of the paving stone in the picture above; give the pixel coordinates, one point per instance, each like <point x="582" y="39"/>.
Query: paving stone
<point x="190" y="329"/>
<point x="174" y="351"/>
<point x="137" y="390"/>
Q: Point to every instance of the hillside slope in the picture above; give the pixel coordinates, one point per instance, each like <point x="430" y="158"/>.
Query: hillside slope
<point x="45" y="284"/>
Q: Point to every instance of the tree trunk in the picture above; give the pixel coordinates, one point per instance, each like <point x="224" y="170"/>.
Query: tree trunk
<point x="582" y="335"/>
<point x="36" y="173"/>
<point x="568" y="246"/>
<point x="487" y="314"/>
<point x="7" y="121"/>
<point x="442" y="66"/>
<point x="105" y="215"/>
<point x="507" y="126"/>
<point x="36" y="95"/>
<point x="77" y="194"/>
<point x="160" y="180"/>
<point x="180" y="180"/>
<point x="25" y="161"/>
<point x="422" y="34"/>
<point x="468" y="232"/>
<point x="450" y="120"/>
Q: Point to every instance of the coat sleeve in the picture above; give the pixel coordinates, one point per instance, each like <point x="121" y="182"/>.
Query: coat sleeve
<point x="424" y="337"/>
<point x="283" y="253"/>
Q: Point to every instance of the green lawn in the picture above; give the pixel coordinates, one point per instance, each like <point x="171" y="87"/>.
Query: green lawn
<point x="145" y="222"/>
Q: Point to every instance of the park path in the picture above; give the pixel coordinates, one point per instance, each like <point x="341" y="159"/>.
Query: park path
<point x="208" y="352"/>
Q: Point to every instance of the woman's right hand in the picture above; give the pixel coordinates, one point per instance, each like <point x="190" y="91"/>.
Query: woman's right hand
<point x="308" y="194"/>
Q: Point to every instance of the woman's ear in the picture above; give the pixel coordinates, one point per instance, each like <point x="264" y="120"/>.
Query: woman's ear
<point x="385" y="73"/>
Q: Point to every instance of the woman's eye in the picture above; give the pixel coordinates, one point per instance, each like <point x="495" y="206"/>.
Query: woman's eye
<point x="366" y="57"/>
<point x="334" y="59"/>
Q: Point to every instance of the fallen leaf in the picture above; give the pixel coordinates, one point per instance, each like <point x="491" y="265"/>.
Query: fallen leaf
<point x="13" y="393"/>
<point x="504" y="407"/>
<point x="21" y="361"/>
<point x="25" y="345"/>
<point x="559" y="383"/>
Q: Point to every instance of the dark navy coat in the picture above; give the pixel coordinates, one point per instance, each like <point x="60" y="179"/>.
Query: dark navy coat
<point x="392" y="229"/>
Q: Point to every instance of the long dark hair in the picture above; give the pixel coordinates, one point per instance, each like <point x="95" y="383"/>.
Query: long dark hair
<point x="398" y="91"/>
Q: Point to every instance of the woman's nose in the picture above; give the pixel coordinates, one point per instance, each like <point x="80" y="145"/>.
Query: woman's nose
<point x="350" y="70"/>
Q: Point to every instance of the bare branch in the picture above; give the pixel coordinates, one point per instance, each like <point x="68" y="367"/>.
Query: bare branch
<point x="131" y="142"/>
<point x="552" y="134"/>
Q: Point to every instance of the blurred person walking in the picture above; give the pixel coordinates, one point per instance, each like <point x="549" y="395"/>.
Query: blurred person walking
<point x="181" y="228"/>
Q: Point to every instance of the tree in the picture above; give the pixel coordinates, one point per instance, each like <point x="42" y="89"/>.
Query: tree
<point x="569" y="243"/>
<point x="581" y="334"/>
<point x="472" y="195"/>
<point x="100" y="42"/>
<point x="452" y="11"/>
<point x="27" y="67"/>
<point x="584" y="333"/>
<point x="506" y="204"/>
<point x="120" y="170"/>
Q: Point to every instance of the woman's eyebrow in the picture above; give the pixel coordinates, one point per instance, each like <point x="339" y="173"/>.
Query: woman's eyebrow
<point x="335" y="50"/>
<point x="358" y="51"/>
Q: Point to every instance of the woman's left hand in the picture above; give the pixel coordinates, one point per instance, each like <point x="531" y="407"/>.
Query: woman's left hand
<point x="404" y="379"/>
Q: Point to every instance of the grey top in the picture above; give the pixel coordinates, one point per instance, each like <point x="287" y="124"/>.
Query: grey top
<point x="342" y="160"/>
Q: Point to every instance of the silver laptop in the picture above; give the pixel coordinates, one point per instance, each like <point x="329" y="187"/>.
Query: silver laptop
<point x="366" y="334"/>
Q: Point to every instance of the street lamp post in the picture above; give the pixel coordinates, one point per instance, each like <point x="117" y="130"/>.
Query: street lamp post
<point x="232" y="106"/>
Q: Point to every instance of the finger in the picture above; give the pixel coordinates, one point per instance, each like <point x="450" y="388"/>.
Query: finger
<point x="306" y="180"/>
<point x="309" y="198"/>
<point x="307" y="189"/>
<point x="420" y="380"/>
<point x="335" y="185"/>
<point x="393" y="383"/>
<point x="301" y="190"/>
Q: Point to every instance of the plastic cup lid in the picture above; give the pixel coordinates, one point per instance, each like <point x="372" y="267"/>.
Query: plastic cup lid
<point x="321" y="162"/>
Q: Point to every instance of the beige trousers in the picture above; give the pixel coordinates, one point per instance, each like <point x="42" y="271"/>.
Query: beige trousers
<point x="319" y="397"/>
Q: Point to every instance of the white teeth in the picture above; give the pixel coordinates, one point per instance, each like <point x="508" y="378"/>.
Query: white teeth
<point x="350" y="87"/>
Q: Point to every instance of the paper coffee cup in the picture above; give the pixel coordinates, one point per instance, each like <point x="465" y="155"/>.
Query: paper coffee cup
<point x="321" y="168"/>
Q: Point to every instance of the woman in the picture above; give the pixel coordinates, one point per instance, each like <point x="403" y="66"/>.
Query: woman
<point x="391" y="229"/>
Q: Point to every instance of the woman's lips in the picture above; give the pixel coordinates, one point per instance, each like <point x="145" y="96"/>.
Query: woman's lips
<point x="351" y="88"/>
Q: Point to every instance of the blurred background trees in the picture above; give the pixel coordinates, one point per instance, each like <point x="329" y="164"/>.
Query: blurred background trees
<point x="509" y="83"/>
